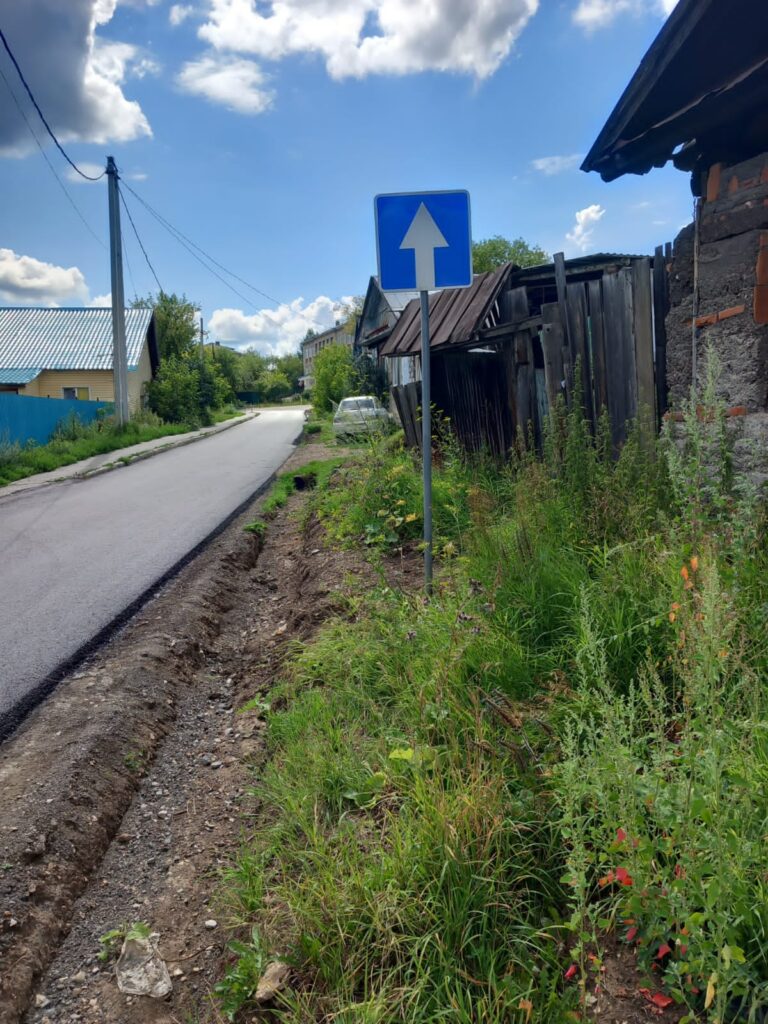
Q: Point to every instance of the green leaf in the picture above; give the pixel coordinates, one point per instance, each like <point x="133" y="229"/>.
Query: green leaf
<point x="401" y="754"/>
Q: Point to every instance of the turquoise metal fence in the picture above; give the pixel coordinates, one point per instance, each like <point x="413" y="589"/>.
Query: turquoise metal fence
<point x="24" y="419"/>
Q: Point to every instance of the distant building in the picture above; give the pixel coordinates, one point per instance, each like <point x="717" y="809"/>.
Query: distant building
<point x="310" y="348"/>
<point x="381" y="311"/>
<point x="67" y="353"/>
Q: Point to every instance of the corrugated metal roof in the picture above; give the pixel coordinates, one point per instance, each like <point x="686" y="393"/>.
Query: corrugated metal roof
<point x="455" y="314"/>
<point x="15" y="375"/>
<point x="67" y="339"/>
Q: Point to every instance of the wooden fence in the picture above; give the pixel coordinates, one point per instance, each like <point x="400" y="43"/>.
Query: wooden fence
<point x="506" y="378"/>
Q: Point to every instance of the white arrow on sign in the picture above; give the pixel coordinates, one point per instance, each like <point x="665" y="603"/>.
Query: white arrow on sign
<point x="424" y="236"/>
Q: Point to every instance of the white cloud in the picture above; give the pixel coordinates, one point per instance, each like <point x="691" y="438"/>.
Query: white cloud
<point x="179" y="13"/>
<point x="362" y="37"/>
<point x="594" y="14"/>
<point x="274" y="331"/>
<point x="581" y="233"/>
<point x="100" y="301"/>
<point x="136" y="176"/>
<point x="25" y="280"/>
<point x="556" y="164"/>
<point x="232" y="81"/>
<point x="78" y="77"/>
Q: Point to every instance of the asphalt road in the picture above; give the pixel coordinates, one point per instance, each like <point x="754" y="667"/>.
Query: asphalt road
<point x="76" y="554"/>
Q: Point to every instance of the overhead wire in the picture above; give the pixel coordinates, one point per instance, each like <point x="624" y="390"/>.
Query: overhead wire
<point x="44" y="155"/>
<point x="36" y="105"/>
<point x="124" y="248"/>
<point x="187" y="242"/>
<point x="138" y="238"/>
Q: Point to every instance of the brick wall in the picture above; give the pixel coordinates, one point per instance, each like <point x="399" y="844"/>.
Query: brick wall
<point x="733" y="286"/>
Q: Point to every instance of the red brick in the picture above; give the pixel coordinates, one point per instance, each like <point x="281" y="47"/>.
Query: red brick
<point x="733" y="184"/>
<point x="761" y="269"/>
<point x="736" y="410"/>
<point x="761" y="304"/>
<point x="713" y="182"/>
<point x="764" y="175"/>
<point x="725" y="314"/>
<point x="706" y="321"/>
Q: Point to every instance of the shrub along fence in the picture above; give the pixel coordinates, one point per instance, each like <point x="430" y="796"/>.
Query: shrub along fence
<point x="24" y="418"/>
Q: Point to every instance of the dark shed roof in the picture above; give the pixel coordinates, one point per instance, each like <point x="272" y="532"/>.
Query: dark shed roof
<point x="455" y="314"/>
<point x="701" y="86"/>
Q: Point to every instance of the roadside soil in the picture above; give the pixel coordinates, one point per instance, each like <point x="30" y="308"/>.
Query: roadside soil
<point x="131" y="788"/>
<point x="124" y="794"/>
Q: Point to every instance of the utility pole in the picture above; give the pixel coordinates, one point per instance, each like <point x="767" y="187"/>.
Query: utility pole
<point x="202" y="343"/>
<point x="119" y="354"/>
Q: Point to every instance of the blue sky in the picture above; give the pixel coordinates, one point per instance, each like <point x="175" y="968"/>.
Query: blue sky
<point x="264" y="132"/>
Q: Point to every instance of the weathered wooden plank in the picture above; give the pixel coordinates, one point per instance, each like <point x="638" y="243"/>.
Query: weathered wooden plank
<point x="552" y="346"/>
<point x="412" y="396"/>
<point x="576" y="300"/>
<point x="597" y="338"/>
<point x="403" y="412"/>
<point x="642" y="309"/>
<point x="562" y="302"/>
<point x="524" y="393"/>
<point x="513" y="305"/>
<point x="617" y="297"/>
<point x="660" y="310"/>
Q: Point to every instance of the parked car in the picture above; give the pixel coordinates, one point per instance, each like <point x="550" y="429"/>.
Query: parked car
<point x="360" y="414"/>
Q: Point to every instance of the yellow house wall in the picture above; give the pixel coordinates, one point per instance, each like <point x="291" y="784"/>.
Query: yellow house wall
<point x="30" y="389"/>
<point x="49" y="383"/>
<point x="138" y="378"/>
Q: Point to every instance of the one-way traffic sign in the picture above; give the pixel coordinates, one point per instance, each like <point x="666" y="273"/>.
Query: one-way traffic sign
<point x="423" y="240"/>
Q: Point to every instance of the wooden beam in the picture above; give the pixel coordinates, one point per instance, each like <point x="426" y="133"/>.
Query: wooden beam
<point x="642" y="307"/>
<point x="597" y="336"/>
<point x="552" y="347"/>
<point x="660" y="310"/>
<point x="576" y="300"/>
<point x="562" y="302"/>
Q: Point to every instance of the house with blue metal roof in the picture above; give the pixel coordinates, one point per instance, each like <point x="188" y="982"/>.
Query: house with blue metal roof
<point x="67" y="353"/>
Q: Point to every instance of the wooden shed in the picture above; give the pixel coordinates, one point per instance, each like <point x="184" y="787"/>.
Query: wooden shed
<point x="504" y="349"/>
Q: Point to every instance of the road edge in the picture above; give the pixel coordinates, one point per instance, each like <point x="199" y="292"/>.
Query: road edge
<point x="9" y="492"/>
<point x="14" y="717"/>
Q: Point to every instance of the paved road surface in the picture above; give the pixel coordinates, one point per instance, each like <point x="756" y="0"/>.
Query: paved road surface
<point x="76" y="554"/>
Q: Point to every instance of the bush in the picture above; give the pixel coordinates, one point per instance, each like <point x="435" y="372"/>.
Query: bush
<point x="333" y="374"/>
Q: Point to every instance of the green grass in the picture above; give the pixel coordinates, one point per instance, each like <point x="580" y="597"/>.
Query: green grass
<point x="75" y="441"/>
<point x="317" y="472"/>
<point x="319" y="427"/>
<point x="105" y="436"/>
<point x="470" y="799"/>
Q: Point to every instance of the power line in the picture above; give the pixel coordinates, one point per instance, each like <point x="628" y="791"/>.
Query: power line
<point x="128" y="264"/>
<point x="183" y="240"/>
<point x="35" y="104"/>
<point x="138" y="239"/>
<point x="44" y="155"/>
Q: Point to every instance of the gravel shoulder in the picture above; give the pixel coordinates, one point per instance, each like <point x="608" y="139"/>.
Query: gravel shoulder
<point x="124" y="793"/>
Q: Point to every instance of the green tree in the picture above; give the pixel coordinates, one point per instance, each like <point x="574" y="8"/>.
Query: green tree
<point x="349" y="313"/>
<point x="227" y="363"/>
<point x="491" y="253"/>
<point x="275" y="385"/>
<point x="293" y="368"/>
<point x="334" y="374"/>
<point x="175" y="321"/>
<point x="174" y="394"/>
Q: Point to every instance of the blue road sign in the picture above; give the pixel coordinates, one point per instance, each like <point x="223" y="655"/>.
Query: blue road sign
<point x="423" y="240"/>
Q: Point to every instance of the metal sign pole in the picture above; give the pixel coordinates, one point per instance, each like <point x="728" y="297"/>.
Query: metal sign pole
<point x="426" y="438"/>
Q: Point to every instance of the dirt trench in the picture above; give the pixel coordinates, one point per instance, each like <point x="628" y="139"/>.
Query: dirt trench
<point x="124" y="794"/>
